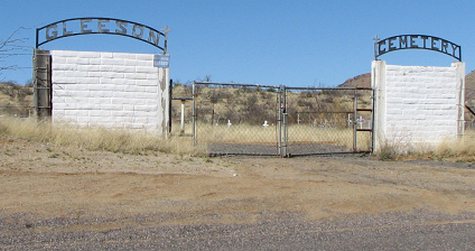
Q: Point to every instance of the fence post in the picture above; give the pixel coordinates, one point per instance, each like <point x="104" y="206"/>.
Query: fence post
<point x="286" y="125"/>
<point x="170" y="103"/>
<point x="193" y="115"/>
<point x="279" y="121"/>
<point x="373" y="101"/>
<point x="282" y="122"/>
<point x="42" y="84"/>
<point x="355" y="124"/>
<point x="182" y="117"/>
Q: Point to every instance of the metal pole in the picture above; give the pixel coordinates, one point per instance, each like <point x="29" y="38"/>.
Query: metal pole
<point x="165" y="42"/>
<point x="50" y="86"/>
<point x="279" y="121"/>
<point x="373" y="101"/>
<point x="35" y="83"/>
<point x="355" y="114"/>
<point x="376" y="40"/>
<point x="193" y="111"/>
<point x="170" y="104"/>
<point x="37" y="38"/>
<point x="286" y="126"/>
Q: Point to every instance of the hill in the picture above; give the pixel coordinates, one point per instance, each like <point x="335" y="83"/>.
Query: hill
<point x="15" y="100"/>
<point x="470" y="93"/>
<point x="361" y="81"/>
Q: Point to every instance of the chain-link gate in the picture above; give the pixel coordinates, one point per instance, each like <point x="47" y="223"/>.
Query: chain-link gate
<point x="328" y="120"/>
<point x="282" y="121"/>
<point x="236" y="118"/>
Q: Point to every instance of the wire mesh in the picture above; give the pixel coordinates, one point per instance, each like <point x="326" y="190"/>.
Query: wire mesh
<point x="236" y="119"/>
<point x="328" y="120"/>
<point x="16" y="110"/>
<point x="271" y="120"/>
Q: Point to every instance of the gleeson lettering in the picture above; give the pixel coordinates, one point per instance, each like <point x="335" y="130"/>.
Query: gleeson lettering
<point x="82" y="26"/>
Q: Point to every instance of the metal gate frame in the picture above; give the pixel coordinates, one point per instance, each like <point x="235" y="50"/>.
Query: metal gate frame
<point x="356" y="110"/>
<point x="280" y="146"/>
<point x="282" y="117"/>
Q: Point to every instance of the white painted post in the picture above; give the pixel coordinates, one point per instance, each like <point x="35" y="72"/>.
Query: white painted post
<point x="378" y="70"/>
<point x="182" y="117"/>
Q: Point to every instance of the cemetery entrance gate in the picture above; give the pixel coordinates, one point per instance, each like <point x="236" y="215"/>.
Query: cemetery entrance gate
<point x="267" y="120"/>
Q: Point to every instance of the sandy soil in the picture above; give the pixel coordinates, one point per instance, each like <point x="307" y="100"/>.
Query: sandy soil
<point x="50" y="181"/>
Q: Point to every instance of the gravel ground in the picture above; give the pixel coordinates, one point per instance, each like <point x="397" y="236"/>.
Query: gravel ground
<point x="419" y="230"/>
<point x="218" y="149"/>
<point x="59" y="198"/>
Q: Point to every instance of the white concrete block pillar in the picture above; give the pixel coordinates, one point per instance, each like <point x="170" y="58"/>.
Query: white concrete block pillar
<point x="417" y="106"/>
<point x="378" y="83"/>
<point x="460" y="99"/>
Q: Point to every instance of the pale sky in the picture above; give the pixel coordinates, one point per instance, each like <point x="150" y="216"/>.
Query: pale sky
<point x="304" y="43"/>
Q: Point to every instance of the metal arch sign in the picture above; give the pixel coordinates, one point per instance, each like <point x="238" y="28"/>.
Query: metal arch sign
<point x="99" y="25"/>
<point x="417" y="41"/>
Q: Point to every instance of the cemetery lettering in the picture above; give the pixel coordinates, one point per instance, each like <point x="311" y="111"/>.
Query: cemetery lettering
<point x="418" y="42"/>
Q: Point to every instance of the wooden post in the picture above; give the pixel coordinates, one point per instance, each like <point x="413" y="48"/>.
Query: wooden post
<point x="182" y="117"/>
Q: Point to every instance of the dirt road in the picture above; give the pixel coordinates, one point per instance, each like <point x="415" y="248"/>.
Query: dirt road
<point x="80" y="191"/>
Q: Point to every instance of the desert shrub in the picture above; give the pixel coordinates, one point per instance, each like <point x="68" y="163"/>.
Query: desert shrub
<point x="388" y="151"/>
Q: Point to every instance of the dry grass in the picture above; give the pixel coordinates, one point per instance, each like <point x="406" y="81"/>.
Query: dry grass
<point x="113" y="140"/>
<point x="122" y="141"/>
<point x="249" y="134"/>
<point x="462" y="149"/>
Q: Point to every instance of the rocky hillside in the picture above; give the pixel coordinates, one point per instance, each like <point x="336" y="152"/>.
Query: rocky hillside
<point x="470" y="91"/>
<point x="362" y="80"/>
<point x="15" y="100"/>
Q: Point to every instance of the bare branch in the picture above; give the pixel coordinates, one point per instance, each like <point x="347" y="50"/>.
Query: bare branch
<point x="10" y="47"/>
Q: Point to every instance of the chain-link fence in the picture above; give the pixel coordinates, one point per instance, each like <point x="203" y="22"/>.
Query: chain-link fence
<point x="279" y="120"/>
<point x="328" y="120"/>
<point x="16" y="110"/>
<point x="236" y="118"/>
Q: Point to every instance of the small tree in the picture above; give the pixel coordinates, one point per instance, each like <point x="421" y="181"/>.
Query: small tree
<point x="10" y="47"/>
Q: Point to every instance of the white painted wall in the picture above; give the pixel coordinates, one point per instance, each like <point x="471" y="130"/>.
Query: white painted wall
<point x="113" y="90"/>
<point x="417" y="106"/>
